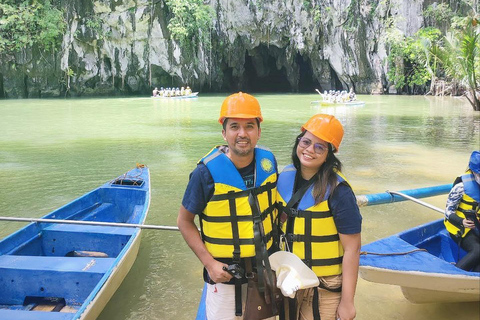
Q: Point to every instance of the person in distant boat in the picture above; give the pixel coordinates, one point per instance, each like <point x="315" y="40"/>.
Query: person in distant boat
<point x="462" y="214"/>
<point x="232" y="190"/>
<point x="155" y="92"/>
<point x="351" y="95"/>
<point x="188" y="91"/>
<point x="321" y="222"/>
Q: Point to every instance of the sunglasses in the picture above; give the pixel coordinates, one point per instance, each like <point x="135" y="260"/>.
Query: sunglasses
<point x="317" y="147"/>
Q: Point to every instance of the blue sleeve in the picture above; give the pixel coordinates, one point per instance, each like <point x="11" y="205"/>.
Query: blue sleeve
<point x="346" y="213"/>
<point x="199" y="190"/>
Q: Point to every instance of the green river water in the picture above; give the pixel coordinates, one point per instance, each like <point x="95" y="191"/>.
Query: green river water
<point x="52" y="151"/>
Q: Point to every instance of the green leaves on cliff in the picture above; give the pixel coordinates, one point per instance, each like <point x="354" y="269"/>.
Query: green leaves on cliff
<point x="29" y="24"/>
<point x="190" y="21"/>
<point x="409" y="62"/>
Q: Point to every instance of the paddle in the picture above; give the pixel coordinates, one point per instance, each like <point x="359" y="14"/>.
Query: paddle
<point x="387" y="197"/>
<point x="417" y="201"/>
<point x="470" y="214"/>
<point x="92" y="223"/>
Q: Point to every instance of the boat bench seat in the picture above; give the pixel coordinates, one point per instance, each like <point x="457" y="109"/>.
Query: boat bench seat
<point x="92" y="229"/>
<point x="34" y="315"/>
<point x="55" y="263"/>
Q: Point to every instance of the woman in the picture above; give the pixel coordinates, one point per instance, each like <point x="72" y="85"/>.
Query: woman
<point x="321" y="222"/>
<point x="462" y="214"/>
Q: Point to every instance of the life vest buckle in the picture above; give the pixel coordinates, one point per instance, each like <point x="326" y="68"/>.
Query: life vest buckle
<point x="293" y="212"/>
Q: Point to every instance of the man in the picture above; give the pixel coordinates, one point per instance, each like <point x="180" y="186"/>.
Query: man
<point x="462" y="214"/>
<point x="233" y="191"/>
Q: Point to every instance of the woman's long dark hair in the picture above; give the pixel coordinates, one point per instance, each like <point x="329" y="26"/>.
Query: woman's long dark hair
<point x="327" y="178"/>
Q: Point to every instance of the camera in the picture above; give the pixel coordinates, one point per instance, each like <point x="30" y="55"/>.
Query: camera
<point x="235" y="270"/>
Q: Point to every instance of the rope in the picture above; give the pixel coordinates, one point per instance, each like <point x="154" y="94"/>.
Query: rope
<point x="391" y="253"/>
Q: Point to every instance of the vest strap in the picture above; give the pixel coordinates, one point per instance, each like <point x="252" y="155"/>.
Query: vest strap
<point x="295" y="213"/>
<point x="326" y="262"/>
<point x="302" y="238"/>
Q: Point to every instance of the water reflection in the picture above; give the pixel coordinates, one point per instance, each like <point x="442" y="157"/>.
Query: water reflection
<point x="52" y="151"/>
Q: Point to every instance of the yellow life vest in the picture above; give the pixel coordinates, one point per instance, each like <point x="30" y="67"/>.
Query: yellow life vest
<point x="314" y="237"/>
<point x="470" y="201"/>
<point x="227" y="222"/>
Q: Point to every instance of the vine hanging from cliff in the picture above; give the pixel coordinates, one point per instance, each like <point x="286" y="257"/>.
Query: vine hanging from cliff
<point x="190" y="22"/>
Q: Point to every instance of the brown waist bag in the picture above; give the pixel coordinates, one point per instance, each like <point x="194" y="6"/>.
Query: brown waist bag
<point x="259" y="305"/>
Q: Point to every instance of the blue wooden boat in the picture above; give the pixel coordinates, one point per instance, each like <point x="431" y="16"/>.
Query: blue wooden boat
<point x="421" y="261"/>
<point x="56" y="271"/>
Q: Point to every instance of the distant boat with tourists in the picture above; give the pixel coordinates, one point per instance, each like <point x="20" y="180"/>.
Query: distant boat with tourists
<point x="338" y="98"/>
<point x="189" y="96"/>
<point x="174" y="93"/>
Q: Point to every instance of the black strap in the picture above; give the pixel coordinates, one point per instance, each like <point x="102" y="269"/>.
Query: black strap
<point x="235" y="233"/>
<point x="238" y="297"/>
<point x="292" y="212"/>
<point x="292" y="309"/>
<point x="300" y="192"/>
<point x="326" y="262"/>
<point x="321" y="285"/>
<point x="308" y="241"/>
<point x="315" y="306"/>
<point x="261" y="254"/>
<point x="302" y="238"/>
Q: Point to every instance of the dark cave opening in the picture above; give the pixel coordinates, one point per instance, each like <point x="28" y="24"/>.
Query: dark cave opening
<point x="273" y="81"/>
<point x="307" y="83"/>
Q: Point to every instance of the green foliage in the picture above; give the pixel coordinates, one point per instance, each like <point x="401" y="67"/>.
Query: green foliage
<point x="410" y="60"/>
<point x="190" y="22"/>
<point x="96" y="24"/>
<point x="439" y="13"/>
<point x="461" y="54"/>
<point x="25" y="25"/>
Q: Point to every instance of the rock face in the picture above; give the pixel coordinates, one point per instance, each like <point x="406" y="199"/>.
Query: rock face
<point x="269" y="45"/>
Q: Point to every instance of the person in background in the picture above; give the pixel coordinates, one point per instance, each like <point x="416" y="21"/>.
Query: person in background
<point x="232" y="190"/>
<point x="462" y="214"/>
<point x="321" y="222"/>
<point x="155" y="92"/>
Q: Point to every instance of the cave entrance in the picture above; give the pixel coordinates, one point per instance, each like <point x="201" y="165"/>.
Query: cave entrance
<point x="307" y="83"/>
<point x="261" y="73"/>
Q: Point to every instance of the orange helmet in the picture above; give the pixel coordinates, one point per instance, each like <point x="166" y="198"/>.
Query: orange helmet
<point x="240" y="105"/>
<point x="325" y="127"/>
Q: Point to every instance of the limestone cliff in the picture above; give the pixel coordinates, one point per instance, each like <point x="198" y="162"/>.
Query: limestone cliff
<point x="256" y="45"/>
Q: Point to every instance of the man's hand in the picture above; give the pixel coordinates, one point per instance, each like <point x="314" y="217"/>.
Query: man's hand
<point x="216" y="272"/>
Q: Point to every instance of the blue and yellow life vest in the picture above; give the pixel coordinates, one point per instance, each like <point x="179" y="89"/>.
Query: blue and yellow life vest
<point x="314" y="236"/>
<point x="469" y="201"/>
<point x="227" y="222"/>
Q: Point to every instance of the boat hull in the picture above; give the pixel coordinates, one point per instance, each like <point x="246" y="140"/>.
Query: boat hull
<point x="421" y="261"/>
<point x="78" y="267"/>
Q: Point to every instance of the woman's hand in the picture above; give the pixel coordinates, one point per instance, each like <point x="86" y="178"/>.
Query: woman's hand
<point x="468" y="223"/>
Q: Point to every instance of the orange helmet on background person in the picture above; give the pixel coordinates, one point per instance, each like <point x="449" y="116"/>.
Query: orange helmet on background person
<point x="240" y="105"/>
<point x="325" y="127"/>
